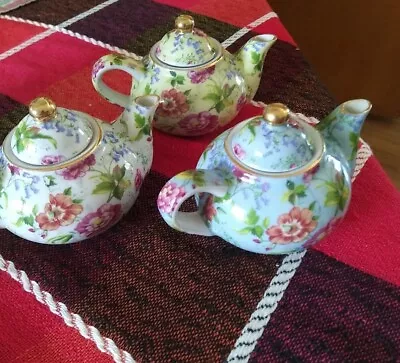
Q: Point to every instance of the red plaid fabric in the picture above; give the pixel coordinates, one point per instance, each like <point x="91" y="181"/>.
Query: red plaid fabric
<point x="345" y="290"/>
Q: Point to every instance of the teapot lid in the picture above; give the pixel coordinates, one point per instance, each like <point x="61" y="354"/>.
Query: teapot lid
<point x="185" y="46"/>
<point x="275" y="142"/>
<point x="50" y="135"/>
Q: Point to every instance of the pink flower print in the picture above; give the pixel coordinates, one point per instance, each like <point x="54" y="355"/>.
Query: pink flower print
<point x="169" y="197"/>
<point x="241" y="102"/>
<point x="198" y="124"/>
<point x="13" y="169"/>
<point x="292" y="227"/>
<point x="201" y="75"/>
<point x="79" y="169"/>
<point x="240" y="174"/>
<point x="174" y="103"/>
<point x="138" y="179"/>
<point x="307" y="177"/>
<point x="52" y="159"/>
<point x="238" y="151"/>
<point x="97" y="222"/>
<point x="199" y="32"/>
<point x="59" y="211"/>
<point x="209" y="210"/>
<point x="97" y="67"/>
<point x="293" y="123"/>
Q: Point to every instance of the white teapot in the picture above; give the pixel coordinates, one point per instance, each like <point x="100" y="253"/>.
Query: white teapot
<point x="66" y="176"/>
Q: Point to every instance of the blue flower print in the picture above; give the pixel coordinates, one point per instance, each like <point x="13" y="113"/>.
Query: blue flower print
<point x="120" y="151"/>
<point x="110" y="138"/>
<point x="155" y="77"/>
<point x="30" y="184"/>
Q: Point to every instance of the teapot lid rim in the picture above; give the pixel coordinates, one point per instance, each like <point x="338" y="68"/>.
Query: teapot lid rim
<point x="217" y="57"/>
<point x="316" y="137"/>
<point x="87" y="151"/>
<point x="185" y="44"/>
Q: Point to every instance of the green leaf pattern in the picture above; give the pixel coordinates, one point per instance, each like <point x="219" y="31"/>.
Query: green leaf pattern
<point x="176" y="79"/>
<point x="24" y="136"/>
<point x="257" y="60"/>
<point x="294" y="192"/>
<point x="337" y="193"/>
<point x="114" y="184"/>
<point x="219" y="95"/>
<point x="143" y="126"/>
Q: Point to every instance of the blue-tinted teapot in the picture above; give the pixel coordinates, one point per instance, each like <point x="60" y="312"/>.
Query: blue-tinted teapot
<point x="272" y="184"/>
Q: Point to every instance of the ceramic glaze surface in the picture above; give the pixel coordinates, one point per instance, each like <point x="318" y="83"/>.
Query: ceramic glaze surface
<point x="267" y="147"/>
<point x="201" y="85"/>
<point x="182" y="49"/>
<point x="57" y="204"/>
<point x="268" y="213"/>
<point x="60" y="138"/>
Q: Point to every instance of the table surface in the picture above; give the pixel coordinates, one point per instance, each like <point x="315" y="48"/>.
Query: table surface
<point x="142" y="292"/>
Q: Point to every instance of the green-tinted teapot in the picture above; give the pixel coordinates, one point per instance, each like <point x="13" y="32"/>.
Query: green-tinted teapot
<point x="201" y="85"/>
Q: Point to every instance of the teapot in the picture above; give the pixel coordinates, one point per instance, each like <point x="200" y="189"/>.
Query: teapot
<point x="201" y="85"/>
<point x="66" y="176"/>
<point x="272" y="184"/>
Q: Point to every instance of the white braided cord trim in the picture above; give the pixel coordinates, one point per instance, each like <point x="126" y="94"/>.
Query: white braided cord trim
<point x="234" y="37"/>
<point x="363" y="154"/>
<point x="57" y="28"/>
<point x="253" y="330"/>
<point x="104" y="344"/>
<point x="61" y="28"/>
<point x="74" y="320"/>
<point x="51" y="29"/>
<point x="260" y="318"/>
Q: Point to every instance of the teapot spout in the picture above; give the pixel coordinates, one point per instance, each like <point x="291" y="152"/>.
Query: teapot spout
<point x="342" y="127"/>
<point x="250" y="60"/>
<point x="138" y="117"/>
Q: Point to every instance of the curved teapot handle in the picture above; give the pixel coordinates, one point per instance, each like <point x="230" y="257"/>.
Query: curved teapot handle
<point x="179" y="189"/>
<point x="133" y="67"/>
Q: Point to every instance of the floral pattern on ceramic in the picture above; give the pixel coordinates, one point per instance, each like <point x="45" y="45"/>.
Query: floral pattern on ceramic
<point x="186" y="184"/>
<point x="201" y="85"/>
<point x="63" y="200"/>
<point x="263" y="210"/>
<point x="344" y="123"/>
<point x="285" y="147"/>
<point x="185" y="45"/>
<point x="67" y="134"/>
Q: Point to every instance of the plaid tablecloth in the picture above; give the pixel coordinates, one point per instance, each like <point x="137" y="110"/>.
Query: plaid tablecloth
<point x="143" y="292"/>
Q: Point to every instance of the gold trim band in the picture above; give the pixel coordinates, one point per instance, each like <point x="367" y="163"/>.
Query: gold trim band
<point x="280" y="174"/>
<point x="214" y="61"/>
<point x="45" y="168"/>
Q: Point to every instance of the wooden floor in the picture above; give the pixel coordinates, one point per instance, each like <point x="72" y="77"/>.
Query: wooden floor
<point x="353" y="46"/>
<point x="384" y="138"/>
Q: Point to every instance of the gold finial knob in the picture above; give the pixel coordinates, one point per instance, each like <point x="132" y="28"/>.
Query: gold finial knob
<point x="184" y="23"/>
<point x="42" y="109"/>
<point x="276" y="113"/>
